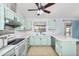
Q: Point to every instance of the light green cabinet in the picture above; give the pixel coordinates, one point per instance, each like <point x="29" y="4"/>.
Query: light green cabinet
<point x="58" y="47"/>
<point x="34" y="40"/>
<point x="52" y="41"/>
<point x="37" y="40"/>
<point x="28" y="24"/>
<point x="31" y="40"/>
<point x="45" y="40"/>
<point x="69" y="48"/>
<point x="9" y="14"/>
<point x="65" y="48"/>
<point x="51" y="24"/>
<point x="40" y="40"/>
<point x="2" y="22"/>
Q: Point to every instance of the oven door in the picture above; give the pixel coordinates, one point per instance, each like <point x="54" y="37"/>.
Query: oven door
<point x="19" y="50"/>
<point x="1" y="43"/>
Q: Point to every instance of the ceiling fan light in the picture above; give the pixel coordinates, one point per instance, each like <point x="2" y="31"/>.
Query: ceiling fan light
<point x="39" y="12"/>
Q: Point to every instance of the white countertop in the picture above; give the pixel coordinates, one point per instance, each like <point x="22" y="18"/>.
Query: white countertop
<point x="64" y="38"/>
<point x="6" y="49"/>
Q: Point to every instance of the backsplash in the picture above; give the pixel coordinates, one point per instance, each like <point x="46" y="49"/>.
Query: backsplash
<point x="7" y="30"/>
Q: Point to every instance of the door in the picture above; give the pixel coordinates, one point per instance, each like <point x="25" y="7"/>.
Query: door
<point x="2" y="22"/>
<point x="75" y="29"/>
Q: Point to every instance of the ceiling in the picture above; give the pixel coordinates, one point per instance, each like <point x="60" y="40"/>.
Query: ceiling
<point x="66" y="10"/>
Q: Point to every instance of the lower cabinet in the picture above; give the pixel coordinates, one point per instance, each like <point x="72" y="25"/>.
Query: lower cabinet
<point x="65" y="48"/>
<point x="31" y="40"/>
<point x="52" y="41"/>
<point x="40" y="40"/>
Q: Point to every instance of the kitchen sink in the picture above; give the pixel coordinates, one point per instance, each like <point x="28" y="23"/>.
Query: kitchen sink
<point x="15" y="41"/>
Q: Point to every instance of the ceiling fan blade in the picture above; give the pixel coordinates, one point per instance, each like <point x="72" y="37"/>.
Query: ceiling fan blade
<point x="37" y="4"/>
<point x="32" y="9"/>
<point x="46" y="11"/>
<point x="48" y="5"/>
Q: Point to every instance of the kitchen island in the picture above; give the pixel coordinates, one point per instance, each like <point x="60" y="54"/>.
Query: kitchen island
<point x="65" y="46"/>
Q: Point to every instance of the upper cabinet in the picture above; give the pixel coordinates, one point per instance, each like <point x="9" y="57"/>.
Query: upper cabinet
<point x="8" y="17"/>
<point x="51" y="24"/>
<point x="9" y="14"/>
<point x="2" y="17"/>
<point x="28" y="24"/>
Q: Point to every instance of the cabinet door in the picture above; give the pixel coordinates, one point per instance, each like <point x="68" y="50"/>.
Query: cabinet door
<point x="53" y="41"/>
<point x="9" y="14"/>
<point x="69" y="48"/>
<point x="44" y="40"/>
<point x="32" y="40"/>
<point x="58" y="47"/>
<point x="48" y="40"/>
<point x="2" y="22"/>
<point x="51" y="25"/>
<point x="28" y="24"/>
<point x="37" y="40"/>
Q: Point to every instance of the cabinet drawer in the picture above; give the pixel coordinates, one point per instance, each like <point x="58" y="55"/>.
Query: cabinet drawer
<point x="10" y="53"/>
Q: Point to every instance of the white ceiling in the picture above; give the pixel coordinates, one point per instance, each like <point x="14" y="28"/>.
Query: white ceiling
<point x="66" y="10"/>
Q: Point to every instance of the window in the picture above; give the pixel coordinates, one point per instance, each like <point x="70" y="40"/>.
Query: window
<point x="39" y="27"/>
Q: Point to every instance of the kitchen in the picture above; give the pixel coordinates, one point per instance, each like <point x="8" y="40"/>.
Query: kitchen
<point x="26" y="29"/>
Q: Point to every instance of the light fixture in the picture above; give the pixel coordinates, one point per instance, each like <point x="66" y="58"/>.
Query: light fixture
<point x="39" y="12"/>
<point x="7" y="21"/>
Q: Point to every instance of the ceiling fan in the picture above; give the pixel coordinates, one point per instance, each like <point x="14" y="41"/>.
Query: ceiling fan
<point x="41" y="8"/>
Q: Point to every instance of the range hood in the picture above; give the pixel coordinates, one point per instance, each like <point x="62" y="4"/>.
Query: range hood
<point x="12" y="23"/>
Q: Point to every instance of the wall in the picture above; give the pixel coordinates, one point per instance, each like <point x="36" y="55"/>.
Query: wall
<point x="7" y="30"/>
<point x="59" y="24"/>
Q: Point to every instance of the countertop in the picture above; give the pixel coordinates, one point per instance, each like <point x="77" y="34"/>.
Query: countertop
<point x="63" y="38"/>
<point x="6" y="49"/>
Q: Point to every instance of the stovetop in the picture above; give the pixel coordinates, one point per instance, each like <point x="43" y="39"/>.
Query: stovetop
<point x="15" y="41"/>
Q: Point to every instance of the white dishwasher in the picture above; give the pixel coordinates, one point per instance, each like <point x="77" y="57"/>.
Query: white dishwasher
<point x="10" y="53"/>
<point x="20" y="49"/>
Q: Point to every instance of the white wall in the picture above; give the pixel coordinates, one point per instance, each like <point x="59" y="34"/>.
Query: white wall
<point x="59" y="23"/>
